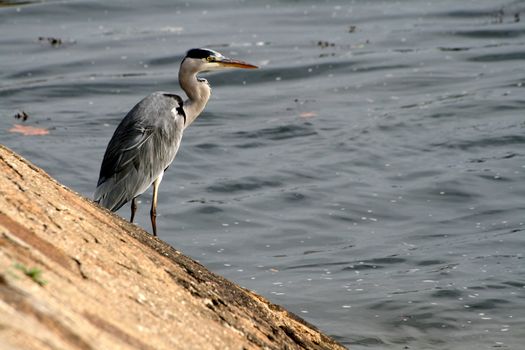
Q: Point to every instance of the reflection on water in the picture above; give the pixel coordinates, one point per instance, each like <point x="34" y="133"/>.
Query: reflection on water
<point x="369" y="177"/>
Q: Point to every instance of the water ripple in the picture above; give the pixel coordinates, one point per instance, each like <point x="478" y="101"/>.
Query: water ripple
<point x="278" y="133"/>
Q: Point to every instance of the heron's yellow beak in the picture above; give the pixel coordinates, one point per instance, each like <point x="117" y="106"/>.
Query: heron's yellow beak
<point x="230" y="62"/>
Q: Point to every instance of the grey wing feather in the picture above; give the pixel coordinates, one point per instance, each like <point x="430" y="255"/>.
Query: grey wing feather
<point x="142" y="147"/>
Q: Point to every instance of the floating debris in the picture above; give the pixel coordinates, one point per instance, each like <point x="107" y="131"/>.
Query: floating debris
<point x="23" y="116"/>
<point x="453" y="48"/>
<point x="307" y="114"/>
<point x="499" y="16"/>
<point x="325" y="44"/>
<point x="51" y="40"/>
<point x="28" y="130"/>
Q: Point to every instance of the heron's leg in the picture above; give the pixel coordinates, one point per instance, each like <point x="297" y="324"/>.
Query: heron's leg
<point x="153" y="212"/>
<point x="133" y="208"/>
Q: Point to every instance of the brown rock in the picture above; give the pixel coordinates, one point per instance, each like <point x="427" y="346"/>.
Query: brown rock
<point x="75" y="276"/>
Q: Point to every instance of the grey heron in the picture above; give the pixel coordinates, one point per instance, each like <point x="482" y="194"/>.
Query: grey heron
<point x="148" y="138"/>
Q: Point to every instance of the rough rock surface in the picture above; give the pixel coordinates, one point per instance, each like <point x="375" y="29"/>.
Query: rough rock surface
<point x="75" y="276"/>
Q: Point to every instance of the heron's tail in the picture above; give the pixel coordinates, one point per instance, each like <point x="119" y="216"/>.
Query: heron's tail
<point x="110" y="195"/>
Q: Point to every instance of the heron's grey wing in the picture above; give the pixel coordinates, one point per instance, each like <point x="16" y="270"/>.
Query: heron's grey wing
<point x="120" y="174"/>
<point x="143" y="145"/>
<point x="123" y="149"/>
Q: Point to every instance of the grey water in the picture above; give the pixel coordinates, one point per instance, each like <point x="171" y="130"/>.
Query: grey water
<point x="370" y="176"/>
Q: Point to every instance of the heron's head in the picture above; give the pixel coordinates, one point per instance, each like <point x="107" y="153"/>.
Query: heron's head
<point x="202" y="60"/>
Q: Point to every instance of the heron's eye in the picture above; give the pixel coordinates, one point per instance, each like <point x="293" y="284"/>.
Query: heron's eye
<point x="210" y="59"/>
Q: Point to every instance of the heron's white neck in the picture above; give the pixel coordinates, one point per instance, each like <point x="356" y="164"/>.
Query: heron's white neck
<point x="198" y="92"/>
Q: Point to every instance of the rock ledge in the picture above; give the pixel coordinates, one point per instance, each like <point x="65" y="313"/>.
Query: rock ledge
<point x="75" y="276"/>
